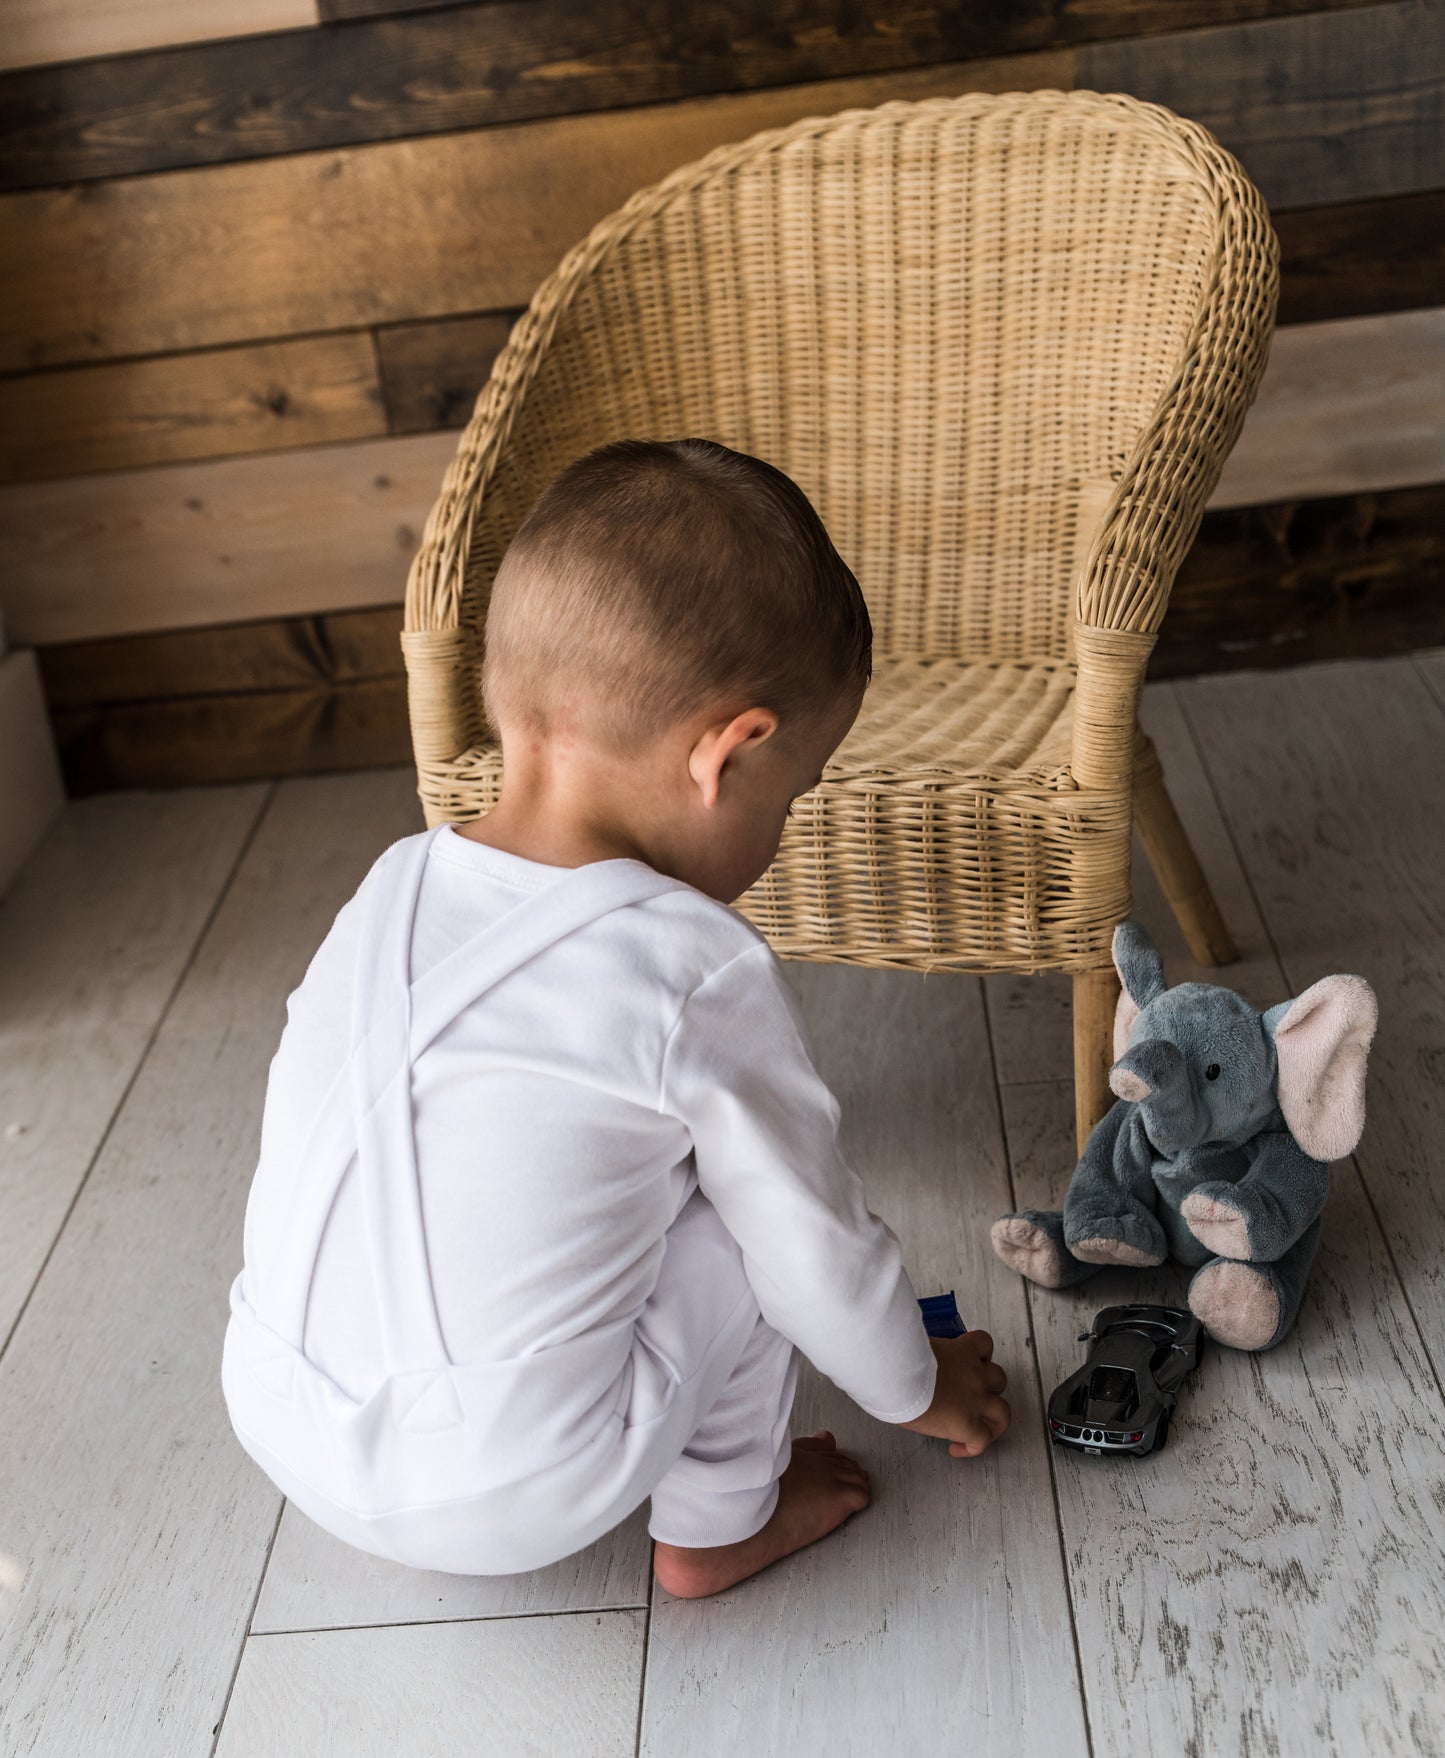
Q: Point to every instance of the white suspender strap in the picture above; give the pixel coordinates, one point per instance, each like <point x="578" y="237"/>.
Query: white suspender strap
<point x="369" y="1109"/>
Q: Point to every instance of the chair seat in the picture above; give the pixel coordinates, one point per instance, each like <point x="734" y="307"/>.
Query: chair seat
<point x="930" y="721"/>
<point x="947" y="833"/>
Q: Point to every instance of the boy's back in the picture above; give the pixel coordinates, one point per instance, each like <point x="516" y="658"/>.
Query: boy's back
<point x="548" y="1174"/>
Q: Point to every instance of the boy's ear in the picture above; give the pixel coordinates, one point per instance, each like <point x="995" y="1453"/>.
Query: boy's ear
<point x="718" y="744"/>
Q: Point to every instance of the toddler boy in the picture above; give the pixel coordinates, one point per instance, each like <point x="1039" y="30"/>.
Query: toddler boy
<point x="549" y="1193"/>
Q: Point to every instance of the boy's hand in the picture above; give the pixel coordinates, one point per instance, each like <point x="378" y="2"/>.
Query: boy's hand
<point x="967" y="1410"/>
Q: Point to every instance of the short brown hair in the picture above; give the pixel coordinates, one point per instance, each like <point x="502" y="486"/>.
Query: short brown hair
<point x="654" y="576"/>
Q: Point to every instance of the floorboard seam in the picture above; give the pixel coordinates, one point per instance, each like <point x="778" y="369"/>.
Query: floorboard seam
<point x="570" y="1611"/>
<point x="1427" y="680"/>
<point x="1279" y="960"/>
<point x="144" y="1057"/>
<point x="1039" y="1382"/>
<point x="642" y="1675"/>
<point x="246" y="1633"/>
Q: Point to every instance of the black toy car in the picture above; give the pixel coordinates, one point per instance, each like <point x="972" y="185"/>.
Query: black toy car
<point x="1121" y="1398"/>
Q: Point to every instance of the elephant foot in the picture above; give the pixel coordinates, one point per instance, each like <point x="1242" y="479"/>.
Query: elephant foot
<point x="1114" y="1251"/>
<point x="1236" y="1303"/>
<point x="1026" y="1248"/>
<point x="1218" y="1226"/>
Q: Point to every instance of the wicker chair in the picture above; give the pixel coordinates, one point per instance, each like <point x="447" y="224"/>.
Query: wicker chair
<point x="1005" y="343"/>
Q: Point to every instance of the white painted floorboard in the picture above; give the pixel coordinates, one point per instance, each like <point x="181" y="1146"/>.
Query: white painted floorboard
<point x="94" y="936"/>
<point x="134" y="1530"/>
<point x="315" y="1582"/>
<point x="538" y="1687"/>
<point x="939" y="1616"/>
<point x="1271" y="1583"/>
<point x="1333" y="778"/>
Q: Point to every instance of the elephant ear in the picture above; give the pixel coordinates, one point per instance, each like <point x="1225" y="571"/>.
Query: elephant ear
<point x="1322" y="1039"/>
<point x="1141" y="974"/>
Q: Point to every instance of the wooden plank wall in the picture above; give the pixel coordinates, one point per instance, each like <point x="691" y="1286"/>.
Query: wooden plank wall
<point x="250" y="287"/>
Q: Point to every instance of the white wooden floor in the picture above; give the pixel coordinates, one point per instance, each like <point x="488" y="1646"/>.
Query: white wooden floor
<point x="1273" y="1583"/>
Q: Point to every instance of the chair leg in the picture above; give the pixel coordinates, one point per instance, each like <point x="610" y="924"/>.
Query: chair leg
<point x="1096" y="994"/>
<point x="1177" y="869"/>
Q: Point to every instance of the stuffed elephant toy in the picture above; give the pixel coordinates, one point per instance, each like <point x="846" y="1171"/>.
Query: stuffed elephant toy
<point x="1217" y="1150"/>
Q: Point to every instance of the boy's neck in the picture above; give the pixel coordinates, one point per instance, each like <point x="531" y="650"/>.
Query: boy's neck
<point x="557" y="808"/>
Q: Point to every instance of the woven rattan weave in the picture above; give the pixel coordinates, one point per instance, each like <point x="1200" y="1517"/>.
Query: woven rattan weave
<point x="1005" y="343"/>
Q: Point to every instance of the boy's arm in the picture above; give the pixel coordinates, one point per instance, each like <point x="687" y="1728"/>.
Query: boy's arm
<point x="827" y="1272"/>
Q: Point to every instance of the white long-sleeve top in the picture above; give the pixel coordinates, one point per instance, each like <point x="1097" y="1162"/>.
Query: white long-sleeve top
<point x="562" y="1122"/>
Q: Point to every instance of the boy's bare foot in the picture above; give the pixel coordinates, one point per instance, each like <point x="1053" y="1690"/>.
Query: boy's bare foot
<point x="817" y="1492"/>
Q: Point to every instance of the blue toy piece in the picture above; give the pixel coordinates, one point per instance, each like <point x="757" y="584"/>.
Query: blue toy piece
<point x="1217" y="1151"/>
<point x="940" y="1315"/>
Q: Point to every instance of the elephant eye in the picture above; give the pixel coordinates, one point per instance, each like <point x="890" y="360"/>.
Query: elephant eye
<point x="1212" y="1072"/>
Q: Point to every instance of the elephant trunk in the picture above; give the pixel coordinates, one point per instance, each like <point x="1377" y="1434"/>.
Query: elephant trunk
<point x="1155" y="1075"/>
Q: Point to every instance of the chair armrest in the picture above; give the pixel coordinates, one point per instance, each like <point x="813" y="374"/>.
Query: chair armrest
<point x="1154" y="513"/>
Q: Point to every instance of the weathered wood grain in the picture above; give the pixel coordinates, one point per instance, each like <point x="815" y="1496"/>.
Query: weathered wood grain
<point x="94" y="936"/>
<point x="342" y="647"/>
<point x="938" y="1615"/>
<point x="1360" y="257"/>
<point x="370" y="235"/>
<point x="282" y="533"/>
<point x="183" y="406"/>
<point x="38" y="31"/>
<point x="508" y="61"/>
<point x="1330" y="107"/>
<point x="315" y="1582"/>
<point x="434" y="372"/>
<point x="1343" y="408"/>
<point x="1270" y="1581"/>
<point x="1332" y="784"/>
<point x="235" y="737"/>
<point x="528" y="1687"/>
<point x="1247" y="1578"/>
<point x="1343" y="577"/>
<point x="134" y="1526"/>
<point x="336" y="11"/>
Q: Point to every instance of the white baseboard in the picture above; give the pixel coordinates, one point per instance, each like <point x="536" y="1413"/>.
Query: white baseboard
<point x="31" y="791"/>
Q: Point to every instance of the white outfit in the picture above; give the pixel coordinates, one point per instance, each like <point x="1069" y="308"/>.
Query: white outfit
<point x="548" y="1191"/>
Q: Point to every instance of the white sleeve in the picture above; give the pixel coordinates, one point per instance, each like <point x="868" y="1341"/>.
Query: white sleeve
<point x="826" y="1271"/>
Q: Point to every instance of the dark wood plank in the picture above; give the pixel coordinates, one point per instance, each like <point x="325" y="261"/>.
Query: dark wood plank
<point x="214" y="404"/>
<point x="1331" y="107"/>
<point x="288" y="653"/>
<point x="233" y="738"/>
<point x="380" y="234"/>
<point x="1361" y="257"/>
<point x="1344" y="577"/>
<point x="433" y="372"/>
<point x="467" y="67"/>
<point x="338" y="11"/>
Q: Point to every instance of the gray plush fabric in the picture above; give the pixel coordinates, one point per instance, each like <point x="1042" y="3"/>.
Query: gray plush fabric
<point x="1197" y="1160"/>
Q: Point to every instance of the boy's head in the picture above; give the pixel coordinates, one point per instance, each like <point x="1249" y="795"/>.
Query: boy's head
<point x="654" y="576"/>
<point x="672" y="619"/>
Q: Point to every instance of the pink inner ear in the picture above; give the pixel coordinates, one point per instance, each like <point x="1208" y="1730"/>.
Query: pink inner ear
<point x="1124" y="1016"/>
<point x="1323" y="1041"/>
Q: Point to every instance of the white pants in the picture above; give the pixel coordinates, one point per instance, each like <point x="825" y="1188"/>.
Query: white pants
<point x="699" y="1423"/>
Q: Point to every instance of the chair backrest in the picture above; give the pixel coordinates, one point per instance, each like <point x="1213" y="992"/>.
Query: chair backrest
<point x="949" y="321"/>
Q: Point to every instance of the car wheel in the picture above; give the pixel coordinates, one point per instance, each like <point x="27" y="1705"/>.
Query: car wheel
<point x="1161" y="1434"/>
